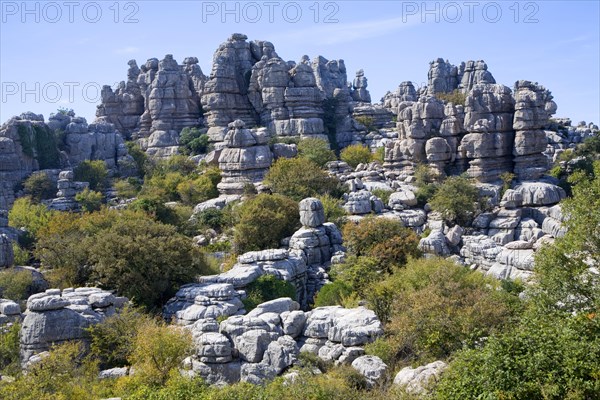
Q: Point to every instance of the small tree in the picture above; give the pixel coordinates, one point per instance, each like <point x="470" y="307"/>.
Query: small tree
<point x="299" y="178"/>
<point x="264" y="220"/>
<point x="94" y="172"/>
<point x="39" y="186"/>
<point x="316" y="150"/>
<point x="457" y="199"/>
<point x="193" y="141"/>
<point x="266" y="288"/>
<point x="89" y="200"/>
<point x="356" y="154"/>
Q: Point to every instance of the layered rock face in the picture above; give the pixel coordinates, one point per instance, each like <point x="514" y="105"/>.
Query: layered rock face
<point x="67" y="190"/>
<point x="244" y="160"/>
<point x="444" y="77"/>
<point x="533" y="108"/>
<point x="124" y="106"/>
<point x="54" y="317"/>
<point x="265" y="342"/>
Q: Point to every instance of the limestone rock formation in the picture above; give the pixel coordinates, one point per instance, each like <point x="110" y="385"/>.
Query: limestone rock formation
<point x="56" y="316"/>
<point x="359" y="88"/>
<point x="533" y="108"/>
<point x="244" y="160"/>
<point x="415" y="381"/>
<point x="6" y="251"/>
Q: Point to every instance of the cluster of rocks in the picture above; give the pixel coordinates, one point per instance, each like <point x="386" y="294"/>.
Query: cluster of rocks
<point x="502" y="242"/>
<point x="67" y="190"/>
<point x="28" y="144"/>
<point x="10" y="312"/>
<point x="443" y="77"/>
<point x="56" y="316"/>
<point x="245" y="158"/>
<point x="562" y="136"/>
<point x="265" y="342"/>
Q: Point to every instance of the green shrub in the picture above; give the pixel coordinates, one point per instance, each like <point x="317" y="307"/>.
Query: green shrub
<point x="127" y="188"/>
<point x="193" y="141"/>
<point x="316" y="150"/>
<point x="356" y="154"/>
<point x="9" y="350"/>
<point x="15" y="284"/>
<point x="334" y="212"/>
<point x="266" y="288"/>
<point x="211" y="218"/>
<point x="456" y="199"/>
<point x="21" y="255"/>
<point x="39" y="186"/>
<point x="384" y="239"/>
<point x="89" y="200"/>
<point x="456" y="97"/>
<point x="192" y="192"/>
<point x="263" y="221"/>
<point x="357" y="272"/>
<point x="112" y="340"/>
<point x="333" y="294"/>
<point x="139" y="156"/>
<point x="29" y="216"/>
<point x="299" y="178"/>
<point x="94" y="172"/>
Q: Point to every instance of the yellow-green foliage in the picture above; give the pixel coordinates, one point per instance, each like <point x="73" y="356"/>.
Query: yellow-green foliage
<point x="356" y="154"/>
<point x="9" y="349"/>
<point x="127" y="188"/>
<point x="124" y="250"/>
<point x="39" y="186"/>
<point x="316" y="150"/>
<point x="158" y="350"/>
<point x="94" y="172"/>
<point x="456" y="97"/>
<point x="89" y="200"/>
<point x="299" y="178"/>
<point x="456" y="199"/>
<point x="32" y="217"/>
<point x="15" y="283"/>
<point x="21" y="255"/>
<point x="368" y="122"/>
<point x="334" y="212"/>
<point x="263" y="221"/>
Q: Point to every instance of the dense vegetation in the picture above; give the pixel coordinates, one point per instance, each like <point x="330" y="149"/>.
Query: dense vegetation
<point x="501" y="339"/>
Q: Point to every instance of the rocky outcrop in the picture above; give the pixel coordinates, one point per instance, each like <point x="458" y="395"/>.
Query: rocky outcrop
<point x="245" y="158"/>
<point x="123" y="106"/>
<point x="444" y="77"/>
<point x="170" y="104"/>
<point x="265" y="342"/>
<point x="56" y="316"/>
<point x="315" y="243"/>
<point x="10" y="312"/>
<point x="417" y="381"/>
<point x="6" y="251"/>
<point x="533" y="108"/>
<point x="67" y="190"/>
<point x="360" y="94"/>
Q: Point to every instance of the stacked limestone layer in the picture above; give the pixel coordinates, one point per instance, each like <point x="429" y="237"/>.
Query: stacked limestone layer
<point x="444" y="77"/>
<point x="170" y="105"/>
<point x="244" y="160"/>
<point x="486" y="149"/>
<point x="67" y="190"/>
<point x="533" y="108"/>
<point x="123" y="106"/>
<point x="56" y="316"/>
<point x="265" y="342"/>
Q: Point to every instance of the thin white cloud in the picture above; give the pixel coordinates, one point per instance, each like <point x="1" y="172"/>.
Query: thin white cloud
<point x="577" y="39"/>
<point x="127" y="50"/>
<point x="337" y="33"/>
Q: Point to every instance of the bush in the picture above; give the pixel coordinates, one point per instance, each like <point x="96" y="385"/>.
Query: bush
<point x="437" y="307"/>
<point x="333" y="294"/>
<point x="263" y="221"/>
<point x="266" y="288"/>
<point x="356" y="154"/>
<point x="211" y="218"/>
<point x="383" y="194"/>
<point x="31" y="217"/>
<point x="192" y="192"/>
<point x="139" y="156"/>
<point x="21" y="255"/>
<point x="124" y="250"/>
<point x="456" y="200"/>
<point x="358" y="273"/>
<point x="94" y="172"/>
<point x="456" y="97"/>
<point x="89" y="200"/>
<point x="334" y="212"/>
<point x="299" y="178"/>
<point x="15" y="284"/>
<point x="368" y="122"/>
<point x="127" y="188"/>
<point x="316" y="150"/>
<point x="386" y="240"/>
<point x="193" y="141"/>
<point x="39" y="187"/>
<point x="9" y="350"/>
<point x="112" y="340"/>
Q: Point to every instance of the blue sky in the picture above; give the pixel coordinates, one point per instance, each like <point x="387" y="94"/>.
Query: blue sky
<point x="58" y="54"/>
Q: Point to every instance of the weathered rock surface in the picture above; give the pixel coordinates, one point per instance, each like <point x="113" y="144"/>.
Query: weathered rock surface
<point x="55" y="317"/>
<point x="416" y="381"/>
